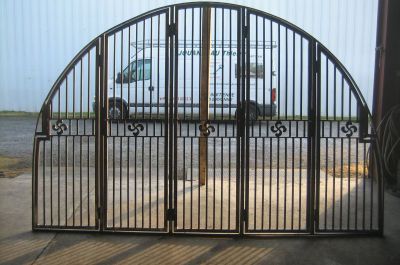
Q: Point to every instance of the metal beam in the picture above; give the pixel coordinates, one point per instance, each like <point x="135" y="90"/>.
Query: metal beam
<point x="204" y="90"/>
<point x="387" y="62"/>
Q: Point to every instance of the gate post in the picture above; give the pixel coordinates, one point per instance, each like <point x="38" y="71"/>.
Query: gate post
<point x="204" y="90"/>
<point x="101" y="102"/>
<point x="171" y="131"/>
<point x="98" y="86"/>
<point x="241" y="117"/>
<point x="313" y="132"/>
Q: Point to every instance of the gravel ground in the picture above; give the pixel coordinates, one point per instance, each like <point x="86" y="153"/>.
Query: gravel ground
<point x="146" y="158"/>
<point x="265" y="148"/>
<point x="16" y="134"/>
<point x="16" y="139"/>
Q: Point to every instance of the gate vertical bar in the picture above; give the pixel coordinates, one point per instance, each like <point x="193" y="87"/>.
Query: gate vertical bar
<point x="167" y="156"/>
<point x="103" y="102"/>
<point x="311" y="153"/>
<point x="171" y="118"/>
<point x="242" y="121"/>
<point x="175" y="113"/>
<point x="239" y="120"/>
<point x="246" y="87"/>
<point x="317" y="131"/>
<point x="99" y="88"/>
<point x="35" y="195"/>
<point x="317" y="151"/>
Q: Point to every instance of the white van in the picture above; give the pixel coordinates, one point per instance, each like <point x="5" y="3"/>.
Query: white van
<point x="140" y="89"/>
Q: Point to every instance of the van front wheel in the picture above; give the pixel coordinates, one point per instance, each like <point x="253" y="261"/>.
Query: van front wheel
<point x="252" y="113"/>
<point x="116" y="111"/>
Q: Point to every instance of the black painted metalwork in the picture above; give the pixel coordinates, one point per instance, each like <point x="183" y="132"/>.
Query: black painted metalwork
<point x="278" y="128"/>
<point x="349" y="129"/>
<point x="290" y="148"/>
<point x="59" y="127"/>
<point x="135" y="128"/>
<point x="205" y="128"/>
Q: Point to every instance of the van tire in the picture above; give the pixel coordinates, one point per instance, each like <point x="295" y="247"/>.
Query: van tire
<point x="118" y="112"/>
<point x="253" y="113"/>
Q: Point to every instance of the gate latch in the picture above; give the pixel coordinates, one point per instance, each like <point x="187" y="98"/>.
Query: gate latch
<point x="244" y="215"/>
<point x="171" y="214"/>
<point x="172" y="29"/>
<point x="363" y="134"/>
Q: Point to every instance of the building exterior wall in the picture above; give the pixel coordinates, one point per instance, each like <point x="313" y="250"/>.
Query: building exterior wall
<point x="40" y="37"/>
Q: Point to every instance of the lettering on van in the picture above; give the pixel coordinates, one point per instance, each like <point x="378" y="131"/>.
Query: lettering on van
<point x="189" y="52"/>
<point x="219" y="97"/>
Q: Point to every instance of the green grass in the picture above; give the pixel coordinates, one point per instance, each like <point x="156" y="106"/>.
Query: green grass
<point x="71" y="114"/>
<point x="7" y="113"/>
<point x="154" y="115"/>
<point x="13" y="166"/>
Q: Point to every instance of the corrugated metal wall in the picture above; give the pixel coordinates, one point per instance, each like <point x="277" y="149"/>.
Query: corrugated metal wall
<point x="40" y="37"/>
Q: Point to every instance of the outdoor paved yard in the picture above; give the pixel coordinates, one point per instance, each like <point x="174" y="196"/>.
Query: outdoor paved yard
<point x="19" y="245"/>
<point x="133" y="202"/>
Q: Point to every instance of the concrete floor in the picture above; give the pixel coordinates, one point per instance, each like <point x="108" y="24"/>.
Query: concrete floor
<point x="19" y="245"/>
<point x="276" y="202"/>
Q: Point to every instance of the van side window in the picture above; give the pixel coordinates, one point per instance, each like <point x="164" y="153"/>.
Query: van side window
<point x="131" y="68"/>
<point x="256" y="70"/>
<point x="143" y="73"/>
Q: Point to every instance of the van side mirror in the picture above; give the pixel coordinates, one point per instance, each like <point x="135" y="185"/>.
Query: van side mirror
<point x="118" y="79"/>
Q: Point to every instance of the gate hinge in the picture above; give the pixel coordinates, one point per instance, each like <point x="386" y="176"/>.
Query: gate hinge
<point x="311" y="128"/>
<point x="99" y="60"/>
<point x="244" y="215"/>
<point x="316" y="66"/>
<point x="98" y="212"/>
<point x="104" y="114"/>
<point x="172" y="29"/>
<point x="245" y="31"/>
<point x="171" y="213"/>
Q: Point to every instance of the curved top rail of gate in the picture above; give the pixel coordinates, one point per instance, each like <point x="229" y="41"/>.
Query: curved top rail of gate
<point x="95" y="44"/>
<point x="72" y="108"/>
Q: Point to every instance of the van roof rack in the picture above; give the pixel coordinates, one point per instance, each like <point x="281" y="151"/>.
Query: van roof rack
<point x="197" y="44"/>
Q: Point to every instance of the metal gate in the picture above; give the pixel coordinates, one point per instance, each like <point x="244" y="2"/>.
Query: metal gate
<point x="206" y="118"/>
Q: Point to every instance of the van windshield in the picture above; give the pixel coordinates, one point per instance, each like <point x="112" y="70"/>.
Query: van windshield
<point x="140" y="72"/>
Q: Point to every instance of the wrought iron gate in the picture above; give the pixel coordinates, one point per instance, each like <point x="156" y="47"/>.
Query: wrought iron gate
<point x="281" y="143"/>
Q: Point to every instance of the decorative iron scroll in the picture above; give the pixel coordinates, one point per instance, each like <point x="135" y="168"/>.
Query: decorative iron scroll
<point x="349" y="129"/>
<point x="135" y="128"/>
<point x="60" y="127"/>
<point x="205" y="128"/>
<point x="278" y="128"/>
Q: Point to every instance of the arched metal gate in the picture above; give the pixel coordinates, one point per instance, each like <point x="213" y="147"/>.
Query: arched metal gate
<point x="277" y="140"/>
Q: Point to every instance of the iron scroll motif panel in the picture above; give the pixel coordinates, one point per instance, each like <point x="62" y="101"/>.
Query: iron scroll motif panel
<point x="286" y="147"/>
